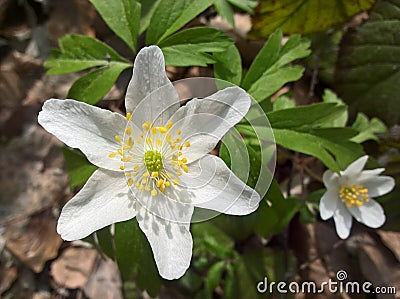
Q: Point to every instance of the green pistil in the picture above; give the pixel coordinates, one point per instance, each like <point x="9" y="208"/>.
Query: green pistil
<point x="153" y="161"/>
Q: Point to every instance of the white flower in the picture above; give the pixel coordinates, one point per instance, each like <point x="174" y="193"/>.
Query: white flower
<point x="351" y="194"/>
<point x="154" y="163"/>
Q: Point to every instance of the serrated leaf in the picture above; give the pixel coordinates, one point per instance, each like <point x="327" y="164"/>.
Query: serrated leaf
<point x="192" y="46"/>
<point x="304" y="16"/>
<point x="135" y="257"/>
<point x="368" y="69"/>
<point x="228" y="65"/>
<point x="122" y="16"/>
<point x="170" y="16"/>
<point x="270" y="71"/>
<point x="79" y="52"/>
<point x="368" y="129"/>
<point x="91" y="87"/>
<point x="78" y="167"/>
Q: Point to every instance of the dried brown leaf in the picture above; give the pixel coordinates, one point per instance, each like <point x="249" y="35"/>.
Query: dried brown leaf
<point x="73" y="268"/>
<point x="34" y="242"/>
<point x="105" y="281"/>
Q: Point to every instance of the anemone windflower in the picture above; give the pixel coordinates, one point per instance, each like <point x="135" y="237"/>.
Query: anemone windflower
<point x="154" y="163"/>
<point x="351" y="194"/>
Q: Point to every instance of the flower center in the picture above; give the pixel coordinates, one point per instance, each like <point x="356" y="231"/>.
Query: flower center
<point x="354" y="195"/>
<point x="153" y="157"/>
<point x="153" y="160"/>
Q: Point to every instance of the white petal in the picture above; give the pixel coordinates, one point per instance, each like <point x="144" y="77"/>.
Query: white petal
<point x="212" y="185"/>
<point x="150" y="94"/>
<point x="378" y="185"/>
<point x="330" y="179"/>
<point x="205" y="121"/>
<point x="355" y="168"/>
<point x="370" y="213"/>
<point x="86" y="127"/>
<point x="328" y="204"/>
<point x="343" y="220"/>
<point x="170" y="241"/>
<point x="366" y="174"/>
<point x="102" y="201"/>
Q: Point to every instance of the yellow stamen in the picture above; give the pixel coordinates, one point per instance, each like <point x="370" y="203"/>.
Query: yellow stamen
<point x="354" y="195"/>
<point x="130" y="182"/>
<point x="187" y="144"/>
<point x="178" y="132"/>
<point x="153" y="192"/>
<point x="112" y="155"/>
<point x="122" y="167"/>
<point x="118" y="139"/>
<point x="185" y="168"/>
<point x="128" y="131"/>
<point x="169" y="125"/>
<point x="128" y="116"/>
<point x="146" y="126"/>
<point x="162" y="130"/>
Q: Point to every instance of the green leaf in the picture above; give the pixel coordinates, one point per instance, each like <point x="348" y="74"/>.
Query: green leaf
<point x="209" y="237"/>
<point x="246" y="5"/>
<point x="79" y="52"/>
<point x="170" y="16"/>
<point x="78" y="167"/>
<point x="228" y="65"/>
<point x="272" y="80"/>
<point x="270" y="71"/>
<point x="91" y="87"/>
<point x="368" y="69"/>
<point x="180" y="56"/>
<point x="105" y="240"/>
<point x="135" y="257"/>
<point x="283" y="102"/>
<point x="322" y="144"/>
<point x="225" y="10"/>
<point x="310" y="116"/>
<point x="191" y="46"/>
<point x="304" y="16"/>
<point x="214" y="276"/>
<point x="122" y="16"/>
<point x="230" y="283"/>
<point x="147" y="10"/>
<point x="340" y="120"/>
<point x="367" y="128"/>
<point x="306" y="214"/>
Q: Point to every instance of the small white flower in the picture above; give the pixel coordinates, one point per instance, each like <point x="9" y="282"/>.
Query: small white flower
<point x="154" y="163"/>
<point x="351" y="194"/>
